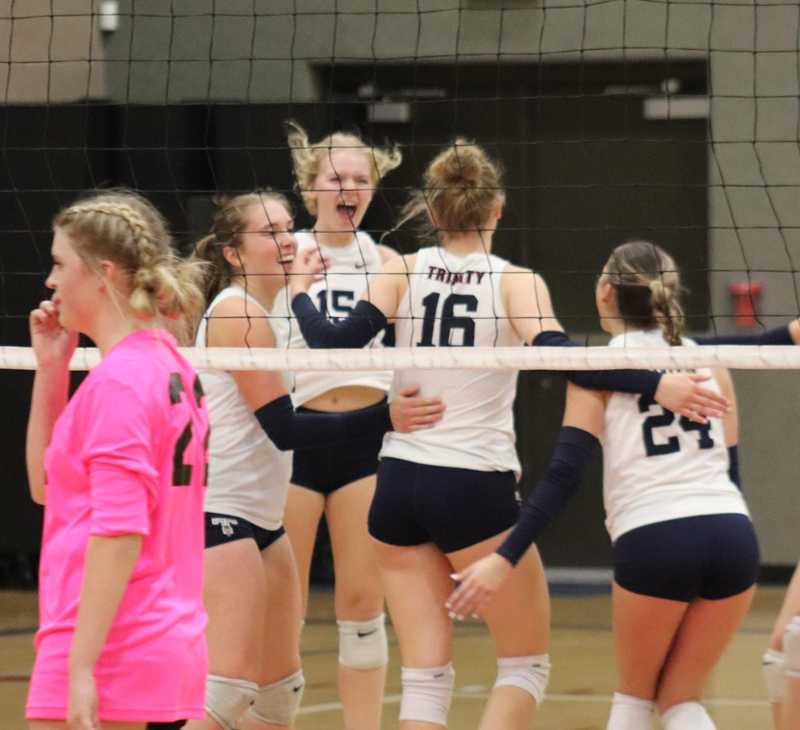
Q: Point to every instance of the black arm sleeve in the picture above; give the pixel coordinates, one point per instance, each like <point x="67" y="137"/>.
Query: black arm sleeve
<point x="572" y="453"/>
<point x="288" y="429"/>
<point x="644" y="382"/>
<point x="356" y="330"/>
<point x="777" y="336"/>
<point x="733" y="466"/>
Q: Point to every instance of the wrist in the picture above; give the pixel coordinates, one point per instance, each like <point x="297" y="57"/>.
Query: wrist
<point x="298" y="286"/>
<point x="52" y="372"/>
<point x="80" y="665"/>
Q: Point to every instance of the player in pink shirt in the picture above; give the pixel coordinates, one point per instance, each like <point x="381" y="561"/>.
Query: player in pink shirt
<point x="120" y="468"/>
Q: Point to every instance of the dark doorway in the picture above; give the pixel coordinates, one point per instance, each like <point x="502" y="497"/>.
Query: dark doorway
<point x="584" y="171"/>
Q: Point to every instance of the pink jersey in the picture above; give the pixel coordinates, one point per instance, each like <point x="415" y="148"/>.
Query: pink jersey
<point x="128" y="456"/>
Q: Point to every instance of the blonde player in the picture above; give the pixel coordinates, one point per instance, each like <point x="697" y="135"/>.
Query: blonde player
<point x="447" y="497"/>
<point x="685" y="553"/>
<point x="120" y="470"/>
<point x="252" y="590"/>
<point x="337" y="177"/>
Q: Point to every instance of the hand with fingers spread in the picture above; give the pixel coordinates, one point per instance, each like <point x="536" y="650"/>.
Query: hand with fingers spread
<point x="52" y="343"/>
<point x="82" y="712"/>
<point x="477" y="585"/>
<point x="309" y="265"/>
<point x="682" y="393"/>
<point x="410" y="412"/>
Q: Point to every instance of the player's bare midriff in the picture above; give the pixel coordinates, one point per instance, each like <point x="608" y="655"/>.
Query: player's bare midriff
<point x="346" y="398"/>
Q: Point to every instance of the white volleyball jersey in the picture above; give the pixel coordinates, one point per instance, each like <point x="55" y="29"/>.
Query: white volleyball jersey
<point x="349" y="271"/>
<point x="659" y="466"/>
<point x="248" y="476"/>
<point x="455" y="301"/>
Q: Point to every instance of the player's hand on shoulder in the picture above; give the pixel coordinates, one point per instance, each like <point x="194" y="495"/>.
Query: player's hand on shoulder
<point x="477" y="585"/>
<point x="410" y="412"/>
<point x="684" y="394"/>
<point x="52" y="343"/>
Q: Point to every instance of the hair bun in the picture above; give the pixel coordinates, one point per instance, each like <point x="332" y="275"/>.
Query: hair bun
<point x="463" y="167"/>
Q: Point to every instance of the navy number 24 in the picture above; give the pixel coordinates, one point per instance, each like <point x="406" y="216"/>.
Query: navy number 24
<point x="667" y="418"/>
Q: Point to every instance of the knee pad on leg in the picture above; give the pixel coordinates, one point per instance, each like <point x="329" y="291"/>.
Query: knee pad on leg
<point x="227" y="699"/>
<point x="277" y="703"/>
<point x="363" y="644"/>
<point x="630" y="713"/>
<point x="427" y="694"/>
<point x="791" y="647"/>
<point x="687" y="716"/>
<point x="773" y="666"/>
<point x="528" y="673"/>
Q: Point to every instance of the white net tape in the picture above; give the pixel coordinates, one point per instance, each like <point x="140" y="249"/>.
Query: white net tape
<point x="772" y="357"/>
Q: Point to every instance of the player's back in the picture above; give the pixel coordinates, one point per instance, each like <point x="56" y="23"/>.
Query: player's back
<point x="456" y="301"/>
<point x="657" y="465"/>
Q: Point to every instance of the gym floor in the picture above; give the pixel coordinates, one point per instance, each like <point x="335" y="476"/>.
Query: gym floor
<point x="580" y="687"/>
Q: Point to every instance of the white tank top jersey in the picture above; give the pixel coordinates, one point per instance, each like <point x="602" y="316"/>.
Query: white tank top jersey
<point x="658" y="466"/>
<point x="248" y="476"/>
<point x="349" y="271"/>
<point x="455" y="301"/>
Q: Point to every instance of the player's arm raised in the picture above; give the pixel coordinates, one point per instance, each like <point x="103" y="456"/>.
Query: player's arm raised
<point x="53" y="346"/>
<point x="374" y="310"/>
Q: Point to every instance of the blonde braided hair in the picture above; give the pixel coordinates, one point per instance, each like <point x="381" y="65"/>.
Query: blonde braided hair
<point x="122" y="227"/>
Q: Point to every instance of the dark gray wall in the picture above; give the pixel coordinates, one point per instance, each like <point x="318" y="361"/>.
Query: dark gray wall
<point x="268" y="50"/>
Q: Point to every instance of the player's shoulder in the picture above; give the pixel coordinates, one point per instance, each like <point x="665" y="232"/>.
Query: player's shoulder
<point x="400" y="264"/>
<point x="237" y="321"/>
<point x="124" y="380"/>
<point x="364" y="238"/>
<point x="516" y="276"/>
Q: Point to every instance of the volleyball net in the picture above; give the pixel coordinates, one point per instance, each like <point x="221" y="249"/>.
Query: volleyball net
<point x="675" y="121"/>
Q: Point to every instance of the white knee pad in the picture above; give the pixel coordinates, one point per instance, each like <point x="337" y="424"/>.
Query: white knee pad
<point x="277" y="703"/>
<point x="528" y="673"/>
<point x="427" y="694"/>
<point x="687" y="716"/>
<point x="227" y="699"/>
<point x="363" y="644"/>
<point x="630" y="713"/>
<point x="791" y="647"/>
<point x="773" y="666"/>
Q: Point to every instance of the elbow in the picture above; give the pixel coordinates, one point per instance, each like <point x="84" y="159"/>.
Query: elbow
<point x="281" y="439"/>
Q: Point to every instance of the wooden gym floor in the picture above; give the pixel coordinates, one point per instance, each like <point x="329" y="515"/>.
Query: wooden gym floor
<point x="580" y="688"/>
